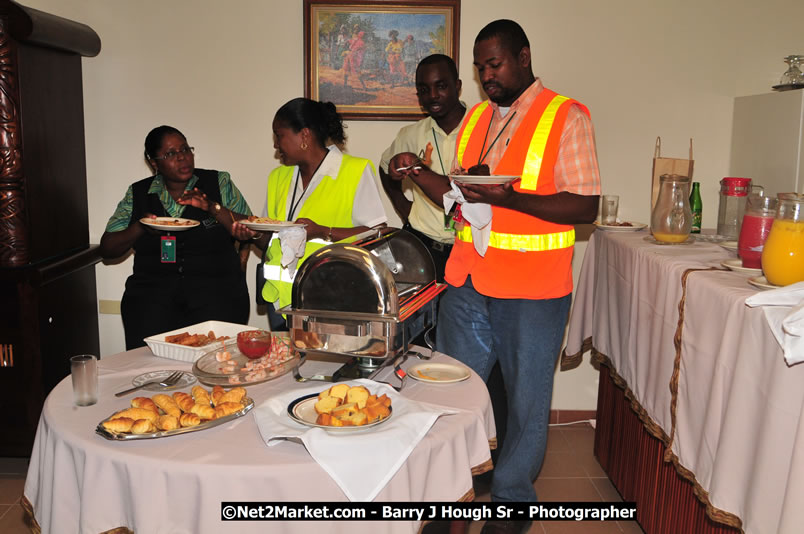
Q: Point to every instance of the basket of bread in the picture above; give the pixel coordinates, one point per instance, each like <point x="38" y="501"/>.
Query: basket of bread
<point x="164" y="415"/>
<point x="342" y="407"/>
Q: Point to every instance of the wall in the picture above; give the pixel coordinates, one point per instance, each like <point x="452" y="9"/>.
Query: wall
<point x="219" y="70"/>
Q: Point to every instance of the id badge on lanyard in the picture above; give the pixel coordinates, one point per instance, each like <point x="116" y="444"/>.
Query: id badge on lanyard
<point x="168" y="248"/>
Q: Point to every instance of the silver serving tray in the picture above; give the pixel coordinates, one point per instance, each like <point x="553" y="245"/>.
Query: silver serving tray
<point x="248" y="404"/>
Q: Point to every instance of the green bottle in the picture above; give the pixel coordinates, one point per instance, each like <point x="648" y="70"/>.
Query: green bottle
<point x="697" y="207"/>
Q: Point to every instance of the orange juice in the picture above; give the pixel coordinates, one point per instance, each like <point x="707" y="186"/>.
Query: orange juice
<point x="670" y="238"/>
<point x="783" y="255"/>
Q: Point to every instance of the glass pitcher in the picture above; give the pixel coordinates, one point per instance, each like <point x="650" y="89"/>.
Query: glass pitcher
<point x="783" y="254"/>
<point x="671" y="219"/>
<point x="760" y="212"/>
<point x="731" y="207"/>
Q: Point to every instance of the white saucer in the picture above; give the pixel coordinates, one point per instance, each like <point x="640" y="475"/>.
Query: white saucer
<point x="439" y="373"/>
<point x="762" y="283"/>
<point x="635" y="226"/>
<point x="729" y="245"/>
<point x="736" y="265"/>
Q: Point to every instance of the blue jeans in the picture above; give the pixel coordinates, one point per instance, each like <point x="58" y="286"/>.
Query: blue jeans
<point x="525" y="336"/>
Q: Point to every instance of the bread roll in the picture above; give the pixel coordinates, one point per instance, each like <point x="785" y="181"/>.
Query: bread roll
<point x="183" y="400"/>
<point x="189" y="419"/>
<point x="167" y="404"/>
<point x="136" y="414"/>
<point x="204" y="411"/>
<point x="358" y="395"/>
<point x="227" y="408"/>
<point x="118" y="426"/>
<point x="233" y="395"/>
<point x="217" y="392"/>
<point x="143" y="426"/>
<point x="144" y="402"/>
<point x="201" y="395"/>
<point x="167" y="422"/>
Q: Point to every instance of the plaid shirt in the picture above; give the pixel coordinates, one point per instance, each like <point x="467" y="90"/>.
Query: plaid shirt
<point x="576" y="169"/>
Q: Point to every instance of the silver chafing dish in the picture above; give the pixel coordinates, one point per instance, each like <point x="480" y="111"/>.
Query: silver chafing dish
<point x="364" y="300"/>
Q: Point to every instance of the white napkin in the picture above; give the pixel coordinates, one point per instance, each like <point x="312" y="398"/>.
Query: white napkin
<point x="784" y="313"/>
<point x="476" y="214"/>
<point x="360" y="462"/>
<point x="293" y="241"/>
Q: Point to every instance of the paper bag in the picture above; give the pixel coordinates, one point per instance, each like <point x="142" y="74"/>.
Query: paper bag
<point x="668" y="166"/>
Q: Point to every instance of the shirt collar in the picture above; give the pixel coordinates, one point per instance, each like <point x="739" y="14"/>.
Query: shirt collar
<point x="158" y="184"/>
<point x="527" y="96"/>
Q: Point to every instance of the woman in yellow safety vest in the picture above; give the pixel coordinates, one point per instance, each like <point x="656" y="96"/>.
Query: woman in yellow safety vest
<point x="333" y="194"/>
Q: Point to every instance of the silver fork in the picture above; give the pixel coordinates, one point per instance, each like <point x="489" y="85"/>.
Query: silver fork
<point x="165" y="382"/>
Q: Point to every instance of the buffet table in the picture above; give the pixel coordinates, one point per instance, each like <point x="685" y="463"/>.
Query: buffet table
<point x="80" y="482"/>
<point x="702" y="374"/>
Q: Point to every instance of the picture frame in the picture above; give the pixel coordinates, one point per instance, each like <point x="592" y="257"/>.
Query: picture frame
<point x="362" y="55"/>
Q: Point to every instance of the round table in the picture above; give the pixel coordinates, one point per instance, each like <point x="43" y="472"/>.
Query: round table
<point x="80" y="482"/>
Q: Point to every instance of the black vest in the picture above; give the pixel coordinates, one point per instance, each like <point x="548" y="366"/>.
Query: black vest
<point x="206" y="250"/>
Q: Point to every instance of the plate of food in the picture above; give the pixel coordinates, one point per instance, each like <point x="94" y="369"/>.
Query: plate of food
<point x="190" y="343"/>
<point x="621" y="226"/>
<point x="439" y="373"/>
<point x="165" y="415"/>
<point x="232" y="365"/>
<point x="341" y="408"/>
<point x="266" y="224"/>
<point x="736" y="265"/>
<point x="482" y="180"/>
<point x="762" y="283"/>
<point x="169" y="224"/>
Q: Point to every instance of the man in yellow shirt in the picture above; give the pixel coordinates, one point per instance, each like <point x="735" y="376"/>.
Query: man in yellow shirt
<point x="438" y="89"/>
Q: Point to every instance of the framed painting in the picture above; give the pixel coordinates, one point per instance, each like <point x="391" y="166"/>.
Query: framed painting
<point x="362" y="55"/>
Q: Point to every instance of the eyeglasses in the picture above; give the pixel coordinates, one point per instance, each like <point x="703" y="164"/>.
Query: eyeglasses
<point x="173" y="154"/>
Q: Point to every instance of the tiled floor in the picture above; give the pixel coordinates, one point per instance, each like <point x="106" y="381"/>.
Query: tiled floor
<point x="570" y="473"/>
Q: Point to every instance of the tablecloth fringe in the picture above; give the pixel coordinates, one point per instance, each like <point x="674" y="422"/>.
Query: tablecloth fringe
<point x="715" y="514"/>
<point x="571" y="361"/>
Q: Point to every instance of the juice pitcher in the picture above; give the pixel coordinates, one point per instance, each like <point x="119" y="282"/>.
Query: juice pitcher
<point x="783" y="254"/>
<point x="671" y="219"/>
<point x="731" y="207"/>
<point x="760" y="212"/>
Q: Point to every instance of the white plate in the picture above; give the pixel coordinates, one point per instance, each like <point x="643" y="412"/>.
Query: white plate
<point x="302" y="410"/>
<point x="269" y="227"/>
<point x="736" y="265"/>
<point x="496" y="179"/>
<point x="170" y="224"/>
<point x="729" y="245"/>
<point x="186" y="379"/>
<point x="174" y="351"/>
<point x="439" y="373"/>
<point x="762" y="283"/>
<point x="635" y="226"/>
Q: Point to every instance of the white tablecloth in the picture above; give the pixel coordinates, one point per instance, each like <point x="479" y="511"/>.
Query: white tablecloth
<point x="739" y="406"/>
<point x="80" y="482"/>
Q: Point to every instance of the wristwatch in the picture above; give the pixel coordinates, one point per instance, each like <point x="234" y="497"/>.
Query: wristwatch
<point x="329" y="235"/>
<point x="216" y="209"/>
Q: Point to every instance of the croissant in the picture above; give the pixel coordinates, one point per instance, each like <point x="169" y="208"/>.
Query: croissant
<point x="143" y="426"/>
<point x="217" y="391"/>
<point x="200" y="395"/>
<point x="189" y="419"/>
<point x="227" y="408"/>
<point x="167" y="404"/>
<point x="144" y="402"/>
<point x="204" y="411"/>
<point x="118" y="425"/>
<point x="167" y="422"/>
<point x="233" y="395"/>
<point x="137" y="413"/>
<point x="184" y="400"/>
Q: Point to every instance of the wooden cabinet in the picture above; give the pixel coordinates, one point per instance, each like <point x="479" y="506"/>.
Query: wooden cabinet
<point x="48" y="301"/>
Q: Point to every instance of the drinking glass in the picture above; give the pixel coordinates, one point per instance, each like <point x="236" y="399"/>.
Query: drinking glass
<point x="610" y="205"/>
<point x="84" y="372"/>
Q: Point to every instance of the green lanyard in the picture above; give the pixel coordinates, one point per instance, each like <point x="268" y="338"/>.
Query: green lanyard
<point x="438" y="151"/>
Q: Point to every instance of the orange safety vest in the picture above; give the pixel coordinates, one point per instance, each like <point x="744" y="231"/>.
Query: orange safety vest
<point x="527" y="257"/>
